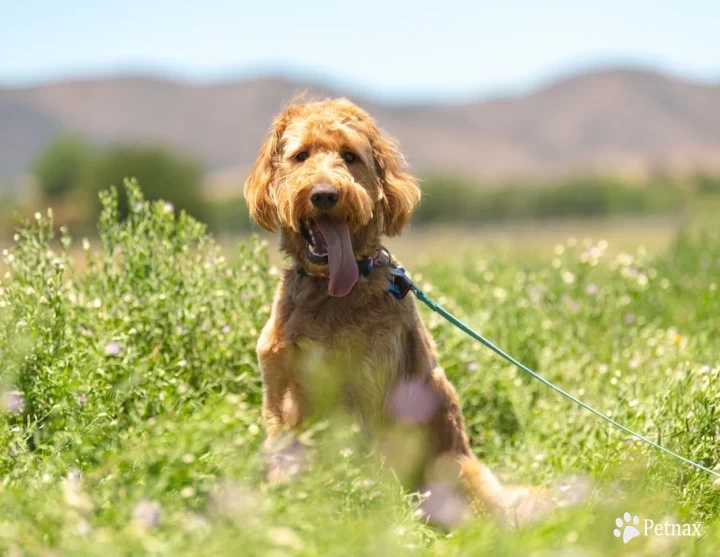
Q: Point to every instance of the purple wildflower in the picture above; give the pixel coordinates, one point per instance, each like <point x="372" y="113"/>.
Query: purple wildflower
<point x="285" y="460"/>
<point x="113" y="349"/>
<point x="571" y="304"/>
<point x="444" y="506"/>
<point x="591" y="289"/>
<point x="226" y="329"/>
<point x="535" y="293"/>
<point x="413" y="402"/>
<point x="148" y="514"/>
<point x="13" y="402"/>
<point x="629" y="318"/>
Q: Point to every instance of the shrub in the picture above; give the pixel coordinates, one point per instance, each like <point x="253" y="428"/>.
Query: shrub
<point x="157" y="322"/>
<point x="61" y="166"/>
<point x="164" y="175"/>
<point x="447" y="199"/>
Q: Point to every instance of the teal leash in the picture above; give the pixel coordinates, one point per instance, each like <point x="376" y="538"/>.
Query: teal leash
<point x="424" y="298"/>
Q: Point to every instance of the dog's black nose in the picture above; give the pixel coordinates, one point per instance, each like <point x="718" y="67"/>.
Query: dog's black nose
<point x="324" y="196"/>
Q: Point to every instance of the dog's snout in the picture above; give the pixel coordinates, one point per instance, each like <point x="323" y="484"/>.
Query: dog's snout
<point x="324" y="196"/>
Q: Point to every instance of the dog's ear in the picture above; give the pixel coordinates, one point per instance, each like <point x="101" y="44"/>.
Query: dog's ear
<point x="258" y="186"/>
<point x="400" y="189"/>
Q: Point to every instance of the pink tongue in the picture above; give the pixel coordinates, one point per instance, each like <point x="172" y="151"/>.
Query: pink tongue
<point x="343" y="267"/>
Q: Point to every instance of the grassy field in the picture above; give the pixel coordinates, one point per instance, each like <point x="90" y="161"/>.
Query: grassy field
<point x="129" y="409"/>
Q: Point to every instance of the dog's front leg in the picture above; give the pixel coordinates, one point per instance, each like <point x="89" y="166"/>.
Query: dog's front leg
<point x="284" y="407"/>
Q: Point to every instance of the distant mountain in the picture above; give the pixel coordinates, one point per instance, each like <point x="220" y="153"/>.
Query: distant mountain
<point x="608" y="118"/>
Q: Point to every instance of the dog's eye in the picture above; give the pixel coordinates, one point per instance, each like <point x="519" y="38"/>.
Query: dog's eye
<point x="349" y="157"/>
<point x="302" y="156"/>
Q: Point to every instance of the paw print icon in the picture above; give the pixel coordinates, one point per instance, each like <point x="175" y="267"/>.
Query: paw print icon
<point x="625" y="527"/>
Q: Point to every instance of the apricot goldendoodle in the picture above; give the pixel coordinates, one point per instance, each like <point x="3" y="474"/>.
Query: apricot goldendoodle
<point x="333" y="185"/>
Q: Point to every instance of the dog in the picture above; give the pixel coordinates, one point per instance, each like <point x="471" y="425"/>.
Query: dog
<point x="333" y="185"/>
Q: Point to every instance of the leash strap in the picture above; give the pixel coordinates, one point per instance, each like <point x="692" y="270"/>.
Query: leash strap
<point x="399" y="277"/>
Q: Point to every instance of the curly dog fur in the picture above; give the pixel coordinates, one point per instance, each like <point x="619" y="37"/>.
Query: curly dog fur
<point x="383" y="362"/>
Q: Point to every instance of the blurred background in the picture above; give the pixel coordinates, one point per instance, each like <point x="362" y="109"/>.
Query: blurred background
<point x="525" y="120"/>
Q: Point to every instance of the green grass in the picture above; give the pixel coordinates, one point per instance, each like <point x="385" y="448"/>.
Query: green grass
<point x="131" y="420"/>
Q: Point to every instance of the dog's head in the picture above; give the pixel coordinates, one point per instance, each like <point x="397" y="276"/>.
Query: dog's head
<point x="333" y="184"/>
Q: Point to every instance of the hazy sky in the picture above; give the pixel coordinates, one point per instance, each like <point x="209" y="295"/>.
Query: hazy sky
<point x="396" y="50"/>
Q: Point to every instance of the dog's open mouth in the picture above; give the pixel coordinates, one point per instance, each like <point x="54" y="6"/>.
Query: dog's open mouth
<point x="317" y="249"/>
<point x="328" y="243"/>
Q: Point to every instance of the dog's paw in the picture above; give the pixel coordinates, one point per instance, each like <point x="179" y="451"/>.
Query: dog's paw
<point x="284" y="460"/>
<point x="527" y="505"/>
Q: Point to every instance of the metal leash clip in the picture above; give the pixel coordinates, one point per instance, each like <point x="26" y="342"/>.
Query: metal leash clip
<point x="400" y="284"/>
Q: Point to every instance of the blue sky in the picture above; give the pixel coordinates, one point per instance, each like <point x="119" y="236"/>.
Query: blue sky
<point x="394" y="50"/>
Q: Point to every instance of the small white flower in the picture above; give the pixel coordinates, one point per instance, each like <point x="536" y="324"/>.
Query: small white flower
<point x="499" y="293"/>
<point x="568" y="277"/>
<point x="83" y="527"/>
<point x="281" y="536"/>
<point x="38" y="216"/>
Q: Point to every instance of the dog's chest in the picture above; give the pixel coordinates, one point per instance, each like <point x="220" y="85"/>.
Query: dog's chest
<point x="353" y="373"/>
